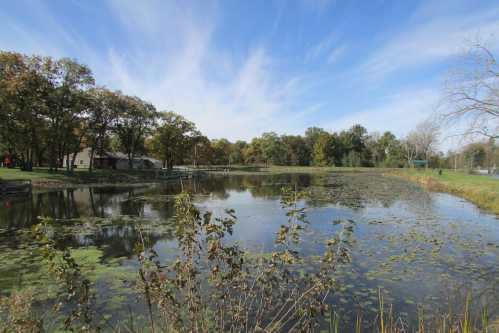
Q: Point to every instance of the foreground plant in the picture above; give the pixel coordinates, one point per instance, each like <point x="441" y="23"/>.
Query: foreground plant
<point x="16" y="314"/>
<point x="215" y="286"/>
<point x="75" y="300"/>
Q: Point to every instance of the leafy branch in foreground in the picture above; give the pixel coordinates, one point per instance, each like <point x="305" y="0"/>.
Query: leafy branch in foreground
<point x="75" y="294"/>
<point x="215" y="286"/>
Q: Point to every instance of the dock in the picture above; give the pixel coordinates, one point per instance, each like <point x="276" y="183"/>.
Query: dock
<point x="176" y="174"/>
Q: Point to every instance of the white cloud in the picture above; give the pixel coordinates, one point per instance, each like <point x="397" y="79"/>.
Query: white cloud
<point x="398" y="113"/>
<point x="321" y="48"/>
<point x="225" y="96"/>
<point x="430" y="39"/>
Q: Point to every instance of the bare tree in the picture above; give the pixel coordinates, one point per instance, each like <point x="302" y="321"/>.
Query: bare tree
<point x="410" y="151"/>
<point x="473" y="93"/>
<point x="422" y="141"/>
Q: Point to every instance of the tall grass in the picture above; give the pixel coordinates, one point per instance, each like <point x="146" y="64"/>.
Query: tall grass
<point x="481" y="190"/>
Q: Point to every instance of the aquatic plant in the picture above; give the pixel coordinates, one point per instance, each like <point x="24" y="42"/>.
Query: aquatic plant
<point x="213" y="285"/>
<point x="74" y="294"/>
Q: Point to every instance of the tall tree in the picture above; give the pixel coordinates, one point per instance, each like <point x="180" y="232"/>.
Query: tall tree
<point x="423" y="140"/>
<point x="173" y="138"/>
<point x="103" y="114"/>
<point x="311" y="136"/>
<point x="475" y="155"/>
<point x="67" y="104"/>
<point x="297" y="150"/>
<point x="222" y="150"/>
<point x="23" y="101"/>
<point x="322" y="152"/>
<point x="237" y="153"/>
<point x="136" y="120"/>
<point x="273" y="151"/>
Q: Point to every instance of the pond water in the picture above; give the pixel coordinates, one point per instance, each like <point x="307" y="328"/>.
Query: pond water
<point x="421" y="248"/>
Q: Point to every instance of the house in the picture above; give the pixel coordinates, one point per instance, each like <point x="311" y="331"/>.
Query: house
<point x="82" y="160"/>
<point x="113" y="160"/>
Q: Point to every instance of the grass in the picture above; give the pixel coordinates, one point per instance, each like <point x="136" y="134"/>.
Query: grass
<point x="42" y="177"/>
<point x="481" y="190"/>
<point x="276" y="169"/>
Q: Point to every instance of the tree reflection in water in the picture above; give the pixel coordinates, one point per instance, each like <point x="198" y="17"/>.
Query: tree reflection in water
<point x="412" y="242"/>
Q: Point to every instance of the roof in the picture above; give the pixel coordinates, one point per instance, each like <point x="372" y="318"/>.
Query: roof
<point x="120" y="156"/>
<point x="150" y="159"/>
<point x="114" y="155"/>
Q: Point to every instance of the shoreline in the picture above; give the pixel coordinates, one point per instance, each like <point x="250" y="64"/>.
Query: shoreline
<point x="457" y="183"/>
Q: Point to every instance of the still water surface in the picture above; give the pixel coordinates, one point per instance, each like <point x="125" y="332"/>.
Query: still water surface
<point x="419" y="247"/>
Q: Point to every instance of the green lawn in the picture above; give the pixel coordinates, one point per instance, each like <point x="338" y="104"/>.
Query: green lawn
<point x="37" y="174"/>
<point x="42" y="177"/>
<point x="276" y="169"/>
<point x="458" y="178"/>
<point x="482" y="190"/>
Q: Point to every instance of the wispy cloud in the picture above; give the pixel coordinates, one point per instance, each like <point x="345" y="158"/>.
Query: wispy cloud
<point x="178" y="56"/>
<point x="398" y="113"/>
<point x="430" y="39"/>
<point x="328" y="50"/>
<point x="225" y="96"/>
<point x="165" y="53"/>
<point x="336" y="53"/>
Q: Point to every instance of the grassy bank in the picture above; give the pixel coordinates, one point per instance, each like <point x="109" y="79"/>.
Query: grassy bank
<point x="42" y="177"/>
<point x="481" y="190"/>
<point x="275" y="169"/>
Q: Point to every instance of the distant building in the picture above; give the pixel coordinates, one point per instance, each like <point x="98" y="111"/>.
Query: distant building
<point x="82" y="160"/>
<point x="113" y="160"/>
<point x="419" y="163"/>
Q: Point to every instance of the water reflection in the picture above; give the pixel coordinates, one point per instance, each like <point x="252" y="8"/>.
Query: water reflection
<point x="419" y="246"/>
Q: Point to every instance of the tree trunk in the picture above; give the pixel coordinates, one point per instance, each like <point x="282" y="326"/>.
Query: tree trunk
<point x="91" y="164"/>
<point x="67" y="163"/>
<point x="73" y="160"/>
<point x="130" y="161"/>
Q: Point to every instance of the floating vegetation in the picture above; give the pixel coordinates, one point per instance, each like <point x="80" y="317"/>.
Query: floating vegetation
<point x="420" y="248"/>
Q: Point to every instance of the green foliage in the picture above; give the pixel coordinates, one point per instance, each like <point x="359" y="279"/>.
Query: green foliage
<point x="134" y="123"/>
<point x="322" y="150"/>
<point x="215" y="286"/>
<point x="75" y="294"/>
<point x="175" y="137"/>
<point x="51" y="110"/>
<point x="475" y="155"/>
<point x="221" y="152"/>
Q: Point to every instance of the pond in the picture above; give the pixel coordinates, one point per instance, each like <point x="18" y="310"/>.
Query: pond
<point x="422" y="249"/>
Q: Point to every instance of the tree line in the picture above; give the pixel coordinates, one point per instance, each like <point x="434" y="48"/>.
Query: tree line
<point x="51" y="109"/>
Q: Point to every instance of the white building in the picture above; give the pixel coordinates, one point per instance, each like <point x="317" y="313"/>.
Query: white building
<point x="112" y="160"/>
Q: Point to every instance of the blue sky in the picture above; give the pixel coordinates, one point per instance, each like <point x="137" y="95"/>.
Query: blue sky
<point x="240" y="68"/>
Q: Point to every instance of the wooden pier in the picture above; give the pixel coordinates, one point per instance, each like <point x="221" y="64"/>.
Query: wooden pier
<point x="15" y="187"/>
<point x="177" y="174"/>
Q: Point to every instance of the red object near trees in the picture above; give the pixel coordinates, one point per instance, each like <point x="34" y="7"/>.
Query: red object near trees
<point x="7" y="161"/>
